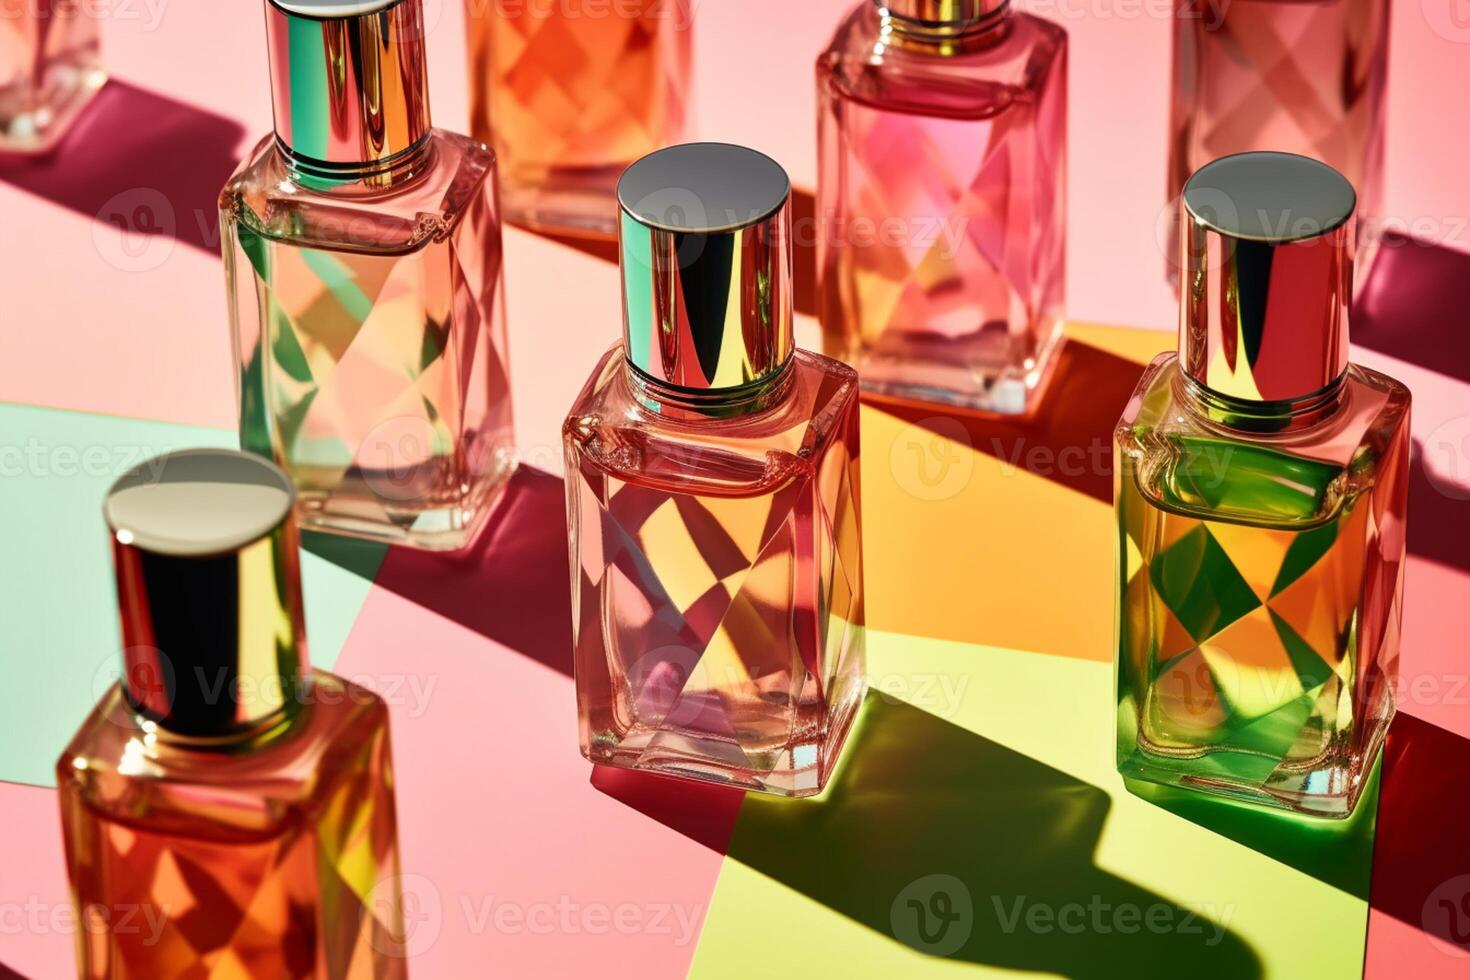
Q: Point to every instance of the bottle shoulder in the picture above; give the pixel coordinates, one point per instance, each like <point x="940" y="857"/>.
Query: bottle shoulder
<point x="119" y="767"/>
<point x="1011" y="65"/>
<point x="612" y="428"/>
<point x="1185" y="460"/>
<point x="265" y="198"/>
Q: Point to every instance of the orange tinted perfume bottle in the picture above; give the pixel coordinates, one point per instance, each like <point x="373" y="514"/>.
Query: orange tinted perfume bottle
<point x="363" y="262"/>
<point x="571" y="92"/>
<point x="1261" y="485"/>
<point x="227" y="810"/>
<point x="712" y="495"/>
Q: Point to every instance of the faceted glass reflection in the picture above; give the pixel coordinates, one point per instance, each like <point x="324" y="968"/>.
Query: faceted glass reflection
<point x="49" y="70"/>
<point x="1259" y="629"/>
<point x="370" y="334"/>
<point x="570" y="94"/>
<point x="717" y="579"/>
<point x="941" y="208"/>
<point x="276" y="862"/>
<point x="1284" y="75"/>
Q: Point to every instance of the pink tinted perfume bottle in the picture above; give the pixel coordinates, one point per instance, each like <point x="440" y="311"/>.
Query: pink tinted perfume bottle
<point x="712" y="496"/>
<point x="227" y="810"/>
<point x="1260" y="485"/>
<point x="1300" y="77"/>
<point x="572" y="91"/>
<point x="363" y="261"/>
<point x="49" y="70"/>
<point x="941" y="199"/>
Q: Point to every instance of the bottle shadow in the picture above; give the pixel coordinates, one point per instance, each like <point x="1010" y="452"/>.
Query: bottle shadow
<point x="1421" y="861"/>
<point x="149" y="164"/>
<point x="511" y="585"/>
<point x="959" y="847"/>
<point x="1068" y="438"/>
<point x="1405" y="308"/>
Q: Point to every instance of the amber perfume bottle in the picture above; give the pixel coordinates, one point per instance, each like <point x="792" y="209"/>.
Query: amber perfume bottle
<point x="1260" y="490"/>
<point x="1300" y="77"/>
<point x="712" y="496"/>
<point x="941" y="199"/>
<point x="227" y="810"/>
<point x="49" y="71"/>
<point x="363" y="261"/>
<point x="569" y="93"/>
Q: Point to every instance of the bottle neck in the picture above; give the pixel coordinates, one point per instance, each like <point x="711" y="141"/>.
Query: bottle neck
<point x="1263" y="417"/>
<point x="707" y="404"/>
<point x="945" y="26"/>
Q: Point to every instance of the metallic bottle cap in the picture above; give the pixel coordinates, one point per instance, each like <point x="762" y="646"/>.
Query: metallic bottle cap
<point x="348" y="82"/>
<point x="209" y="591"/>
<point x="706" y="261"/>
<point x="941" y="16"/>
<point x="1268" y="263"/>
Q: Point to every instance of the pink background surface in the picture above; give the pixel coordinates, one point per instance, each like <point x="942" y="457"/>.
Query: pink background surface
<point x="83" y="327"/>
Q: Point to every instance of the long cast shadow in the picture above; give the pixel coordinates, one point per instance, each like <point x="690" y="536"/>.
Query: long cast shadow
<point x="511" y="585"/>
<point x="1421" y="862"/>
<point x="1068" y="439"/>
<point x="149" y="164"/>
<point x="1408" y="305"/>
<point x="957" y="846"/>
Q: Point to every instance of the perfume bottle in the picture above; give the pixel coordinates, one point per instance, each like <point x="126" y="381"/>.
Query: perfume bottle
<point x="570" y="93"/>
<point x="712" y="496"/>
<point x="227" y="810"/>
<point x="941" y="199"/>
<point x="1282" y="75"/>
<point x="49" y="70"/>
<point x="1260" y="493"/>
<point x="363" y="261"/>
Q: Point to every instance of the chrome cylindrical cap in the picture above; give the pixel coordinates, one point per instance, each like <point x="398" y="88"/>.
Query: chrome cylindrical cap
<point x="209" y="590"/>
<point x="348" y="82"/>
<point x="941" y="16"/>
<point x="706" y="262"/>
<point x="1268" y="268"/>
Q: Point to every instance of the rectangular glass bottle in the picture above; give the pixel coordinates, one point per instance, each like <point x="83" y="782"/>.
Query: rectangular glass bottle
<point x="1299" y="77"/>
<point x="941" y="200"/>
<point x="366" y="296"/>
<point x="227" y="811"/>
<point x="50" y="68"/>
<point x="1261" y="531"/>
<point x="714" y="526"/>
<point x="570" y="93"/>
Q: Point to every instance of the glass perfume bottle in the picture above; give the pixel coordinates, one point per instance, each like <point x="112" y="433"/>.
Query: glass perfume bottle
<point x="1260" y="492"/>
<point x="363" y="260"/>
<point x="227" y="810"/>
<point x="1284" y="75"/>
<point x="49" y="70"/>
<point x="712" y="496"/>
<point x="941" y="199"/>
<point x="570" y="93"/>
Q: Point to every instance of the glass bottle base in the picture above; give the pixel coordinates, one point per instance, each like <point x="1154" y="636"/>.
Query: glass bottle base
<point x="355" y="510"/>
<point x="29" y="129"/>
<point x="997" y="388"/>
<point x="795" y="769"/>
<point x="580" y="201"/>
<point x="1327" y="786"/>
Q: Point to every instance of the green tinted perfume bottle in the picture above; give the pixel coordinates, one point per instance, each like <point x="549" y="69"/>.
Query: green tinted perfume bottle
<point x="1260" y="485"/>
